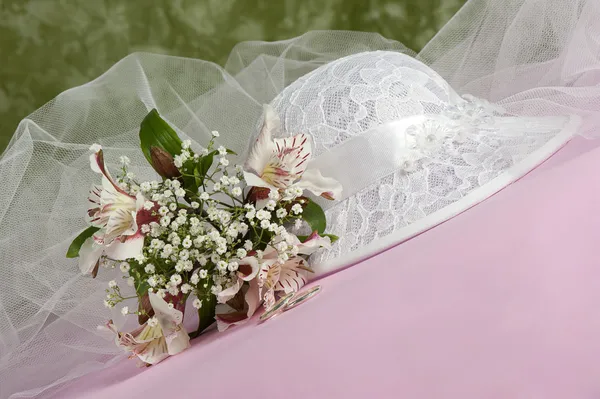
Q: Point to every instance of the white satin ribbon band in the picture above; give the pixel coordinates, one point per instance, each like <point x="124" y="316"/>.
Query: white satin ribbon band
<point x="379" y="152"/>
<point x="367" y="158"/>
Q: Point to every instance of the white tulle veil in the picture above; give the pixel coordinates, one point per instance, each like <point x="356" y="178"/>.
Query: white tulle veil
<point x="535" y="60"/>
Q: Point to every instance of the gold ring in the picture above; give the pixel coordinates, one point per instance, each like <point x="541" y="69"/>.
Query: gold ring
<point x="276" y="308"/>
<point x="302" y="297"/>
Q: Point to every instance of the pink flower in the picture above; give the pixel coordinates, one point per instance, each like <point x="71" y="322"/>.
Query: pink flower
<point x="271" y="276"/>
<point x="279" y="164"/>
<point x="226" y="316"/>
<point x="290" y="275"/>
<point x="119" y="217"/>
<point x="160" y="337"/>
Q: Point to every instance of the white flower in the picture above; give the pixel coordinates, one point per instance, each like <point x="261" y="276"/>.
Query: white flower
<point x="124" y="310"/>
<point x="177" y="161"/>
<point x="234" y="181"/>
<point x="112" y="284"/>
<point x="263" y="215"/>
<point x="265" y="224"/>
<point x="145" y="186"/>
<point x="233" y="266"/>
<point x="184" y="254"/>
<point x="241" y="253"/>
<point x="250" y="214"/>
<point x="204" y="196"/>
<point x="215" y="133"/>
<point x="195" y="205"/>
<point x="148" y="205"/>
<point x="237" y="191"/>
<point x="115" y="213"/>
<point x="174" y="226"/>
<point x="152" y="281"/>
<point x="222" y="150"/>
<point x="124" y="160"/>
<point x="277" y="164"/>
<point x="130" y="175"/>
<point x="146" y="229"/>
<point x="165" y="221"/>
<point x="173" y="206"/>
<point x="222" y="265"/>
<point x="108" y="304"/>
<point x="197" y="303"/>
<point x="224" y="161"/>
<point x="150" y="269"/>
<point x="154" y="184"/>
<point x="248" y="245"/>
<point x="185" y="144"/>
<point x="168" y="193"/>
<point x="194" y="279"/>
<point x="167" y="250"/>
<point x="180" y="192"/>
<point x="163" y="210"/>
<point x="152" y="322"/>
<point x="124" y="266"/>
<point x="281" y="213"/>
<point x="202" y="260"/>
<point x="176" y="279"/>
<point x="274" y="195"/>
<point x="217" y="186"/>
<point x="298" y="224"/>
<point x="216" y="289"/>
<point x="187" y="242"/>
<point x="271" y="205"/>
<point x="297" y="209"/>
<point x="203" y="273"/>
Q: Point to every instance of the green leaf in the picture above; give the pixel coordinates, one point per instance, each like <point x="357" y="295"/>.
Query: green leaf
<point x="206" y="314"/>
<point x="155" y="131"/>
<point x="231" y="152"/>
<point x="315" y="217"/>
<point x="205" y="164"/>
<point x="332" y="237"/>
<point x="75" y="246"/>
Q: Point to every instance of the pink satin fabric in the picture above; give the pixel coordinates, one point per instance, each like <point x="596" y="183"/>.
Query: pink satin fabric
<point x="502" y="301"/>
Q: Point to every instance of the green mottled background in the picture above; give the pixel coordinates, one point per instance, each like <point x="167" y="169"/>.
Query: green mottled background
<point x="47" y="46"/>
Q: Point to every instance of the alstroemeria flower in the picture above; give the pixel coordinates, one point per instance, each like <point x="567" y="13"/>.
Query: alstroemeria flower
<point x="160" y="337"/>
<point x="291" y="275"/>
<point x="266" y="277"/>
<point x="226" y="316"/>
<point x="119" y="215"/>
<point x="281" y="164"/>
<point x="247" y="270"/>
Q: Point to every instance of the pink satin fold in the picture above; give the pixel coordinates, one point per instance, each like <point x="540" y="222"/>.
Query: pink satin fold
<point x="502" y="301"/>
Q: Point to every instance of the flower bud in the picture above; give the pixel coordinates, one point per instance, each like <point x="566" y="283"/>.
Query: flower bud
<point x="163" y="163"/>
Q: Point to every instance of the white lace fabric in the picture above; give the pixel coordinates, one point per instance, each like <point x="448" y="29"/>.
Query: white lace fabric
<point x="421" y="147"/>
<point x="531" y="65"/>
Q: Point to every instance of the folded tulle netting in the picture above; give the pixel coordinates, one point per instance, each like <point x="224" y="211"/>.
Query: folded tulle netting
<point x="416" y="138"/>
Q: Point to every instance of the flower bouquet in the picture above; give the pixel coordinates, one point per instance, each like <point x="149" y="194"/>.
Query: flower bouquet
<point x="218" y="235"/>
